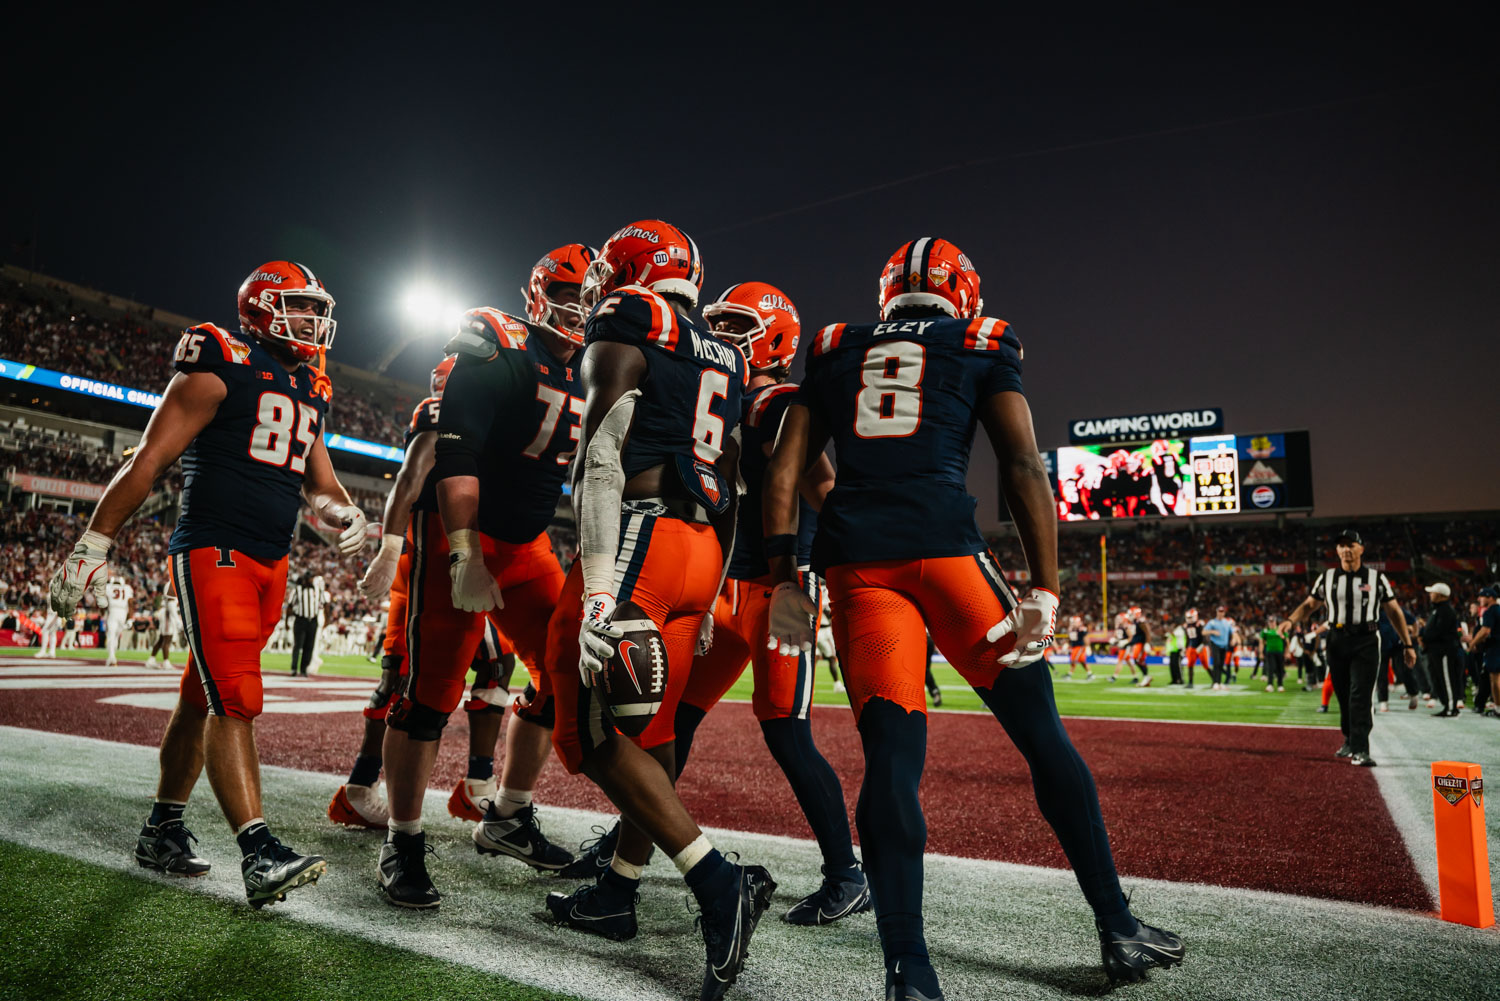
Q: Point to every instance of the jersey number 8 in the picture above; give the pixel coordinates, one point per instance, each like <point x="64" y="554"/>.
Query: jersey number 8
<point x="889" y="404"/>
<point x="271" y="441"/>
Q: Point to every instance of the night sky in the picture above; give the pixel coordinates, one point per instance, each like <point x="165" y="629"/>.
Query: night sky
<point x="1292" y="217"/>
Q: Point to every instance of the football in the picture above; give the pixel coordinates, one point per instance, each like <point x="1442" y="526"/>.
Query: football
<point x="635" y="679"/>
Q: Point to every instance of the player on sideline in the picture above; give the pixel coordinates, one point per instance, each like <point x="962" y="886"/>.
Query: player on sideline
<point x="1121" y="646"/>
<point x="246" y="416"/>
<point x="479" y="546"/>
<point x="1140" y="645"/>
<point x="168" y="625"/>
<point x="900" y="400"/>
<point x="662" y="401"/>
<point x="117" y="598"/>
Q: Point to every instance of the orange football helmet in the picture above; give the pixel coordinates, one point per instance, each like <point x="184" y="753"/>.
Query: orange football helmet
<point x="650" y="253"/>
<point x="565" y="265"/>
<point x="440" y="374"/>
<point x="771" y="341"/>
<point x="262" y="304"/>
<point x="930" y="272"/>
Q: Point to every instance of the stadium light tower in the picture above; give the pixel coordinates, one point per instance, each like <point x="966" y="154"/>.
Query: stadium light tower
<point x="424" y="308"/>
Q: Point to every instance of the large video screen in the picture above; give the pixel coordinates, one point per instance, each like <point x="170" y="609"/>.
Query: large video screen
<point x="1182" y="477"/>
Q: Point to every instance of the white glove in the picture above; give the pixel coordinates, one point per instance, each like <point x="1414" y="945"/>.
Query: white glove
<point x="1033" y="621"/>
<point x="474" y="587"/>
<point x="705" y="634"/>
<point x="596" y="636"/>
<point x="335" y="512"/>
<point x="381" y="572"/>
<point x="791" y="620"/>
<point x="84" y="568"/>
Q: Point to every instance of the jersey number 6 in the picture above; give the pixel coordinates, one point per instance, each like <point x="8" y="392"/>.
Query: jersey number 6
<point x="889" y="404"/>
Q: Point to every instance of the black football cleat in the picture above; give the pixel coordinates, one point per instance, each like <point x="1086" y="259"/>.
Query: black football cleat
<point x="274" y="869"/>
<point x="166" y="849"/>
<point x="836" y="898"/>
<point x="1362" y="759"/>
<point x="593" y="856"/>
<point x="519" y="837"/>
<point x="401" y="873"/>
<point x="1128" y="957"/>
<point x="727" y="926"/>
<point x="908" y="982"/>
<point x="585" y="910"/>
<point x="1344" y="751"/>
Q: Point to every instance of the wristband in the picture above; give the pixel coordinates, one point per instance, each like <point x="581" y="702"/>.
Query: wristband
<point x="780" y="545"/>
<point x="464" y="540"/>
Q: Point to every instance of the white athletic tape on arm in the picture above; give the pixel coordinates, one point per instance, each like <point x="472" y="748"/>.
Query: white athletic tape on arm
<point x="599" y="491"/>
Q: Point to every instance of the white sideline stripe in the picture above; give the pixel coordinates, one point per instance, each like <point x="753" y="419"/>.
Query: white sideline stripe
<point x="992" y="926"/>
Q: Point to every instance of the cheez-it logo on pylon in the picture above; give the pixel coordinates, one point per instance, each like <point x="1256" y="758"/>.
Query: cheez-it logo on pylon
<point x="1451" y="788"/>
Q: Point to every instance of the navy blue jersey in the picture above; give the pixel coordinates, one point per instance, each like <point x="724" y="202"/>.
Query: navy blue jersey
<point x="1193" y="633"/>
<point x="512" y="421"/>
<point x="900" y="401"/>
<point x="1078" y="637"/>
<point x="242" y="475"/>
<point x="690" y="394"/>
<point x="764" y="408"/>
<point x="1139" y="636"/>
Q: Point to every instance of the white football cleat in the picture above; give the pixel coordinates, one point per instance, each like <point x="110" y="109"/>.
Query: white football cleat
<point x="359" y="806"/>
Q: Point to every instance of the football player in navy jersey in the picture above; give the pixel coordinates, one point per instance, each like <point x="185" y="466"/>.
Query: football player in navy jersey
<point x="479" y="547"/>
<point x="764" y="324"/>
<point x="246" y="416"/>
<point x="897" y="541"/>
<point x="655" y="519"/>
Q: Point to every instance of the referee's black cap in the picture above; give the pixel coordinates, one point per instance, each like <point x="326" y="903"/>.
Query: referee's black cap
<point x="1489" y="592"/>
<point x="1349" y="535"/>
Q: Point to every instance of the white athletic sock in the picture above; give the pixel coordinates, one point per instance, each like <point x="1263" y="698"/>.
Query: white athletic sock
<point x="512" y="801"/>
<point x="627" y="870"/>
<point x="405" y="826"/>
<point x="692" y="854"/>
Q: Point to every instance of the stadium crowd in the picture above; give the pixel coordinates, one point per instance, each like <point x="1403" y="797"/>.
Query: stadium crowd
<point x="49" y="327"/>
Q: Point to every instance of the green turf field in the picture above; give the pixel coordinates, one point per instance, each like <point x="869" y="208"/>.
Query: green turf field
<point x="149" y="940"/>
<point x="1246" y="702"/>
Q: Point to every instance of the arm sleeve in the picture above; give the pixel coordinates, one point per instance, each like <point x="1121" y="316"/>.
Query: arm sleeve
<point x="481" y="396"/>
<point x="1386" y="593"/>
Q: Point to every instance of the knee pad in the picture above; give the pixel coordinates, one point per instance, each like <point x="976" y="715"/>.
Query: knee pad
<point x="417" y="721"/>
<point x="542" y="714"/>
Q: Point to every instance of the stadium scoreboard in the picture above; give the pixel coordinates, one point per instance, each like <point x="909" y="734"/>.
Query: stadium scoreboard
<point x="1181" y="477"/>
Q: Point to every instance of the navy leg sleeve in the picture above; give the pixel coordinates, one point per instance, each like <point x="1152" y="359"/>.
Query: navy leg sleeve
<point x="892" y="830"/>
<point x="816" y="787"/>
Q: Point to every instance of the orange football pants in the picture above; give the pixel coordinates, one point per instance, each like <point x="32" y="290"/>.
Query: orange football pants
<point x="670" y="568"/>
<point x="441" y="640"/>
<point x="883" y="611"/>
<point x="230" y="605"/>
<point x="783" y="685"/>
<point x="1078" y="655"/>
<point x="395" y="619"/>
<point x="1197" y="655"/>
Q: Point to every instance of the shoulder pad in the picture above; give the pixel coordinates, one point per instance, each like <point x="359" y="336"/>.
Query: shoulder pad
<point x="828" y="338"/>
<point x="985" y="333"/>
<point x="782" y="393"/>
<point x="485" y="331"/>
<point x="209" y="345"/>
<point x="634" y="315"/>
<point x="423" y="418"/>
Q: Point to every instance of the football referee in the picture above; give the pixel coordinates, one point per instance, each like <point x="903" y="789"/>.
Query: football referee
<point x="304" y="602"/>
<point x="1353" y="596"/>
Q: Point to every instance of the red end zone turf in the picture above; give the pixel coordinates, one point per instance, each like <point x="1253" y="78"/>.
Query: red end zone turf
<point x="1258" y="807"/>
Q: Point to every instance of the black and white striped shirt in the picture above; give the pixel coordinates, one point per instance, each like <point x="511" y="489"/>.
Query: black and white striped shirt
<point x="1352" y="597"/>
<point x="305" y="600"/>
